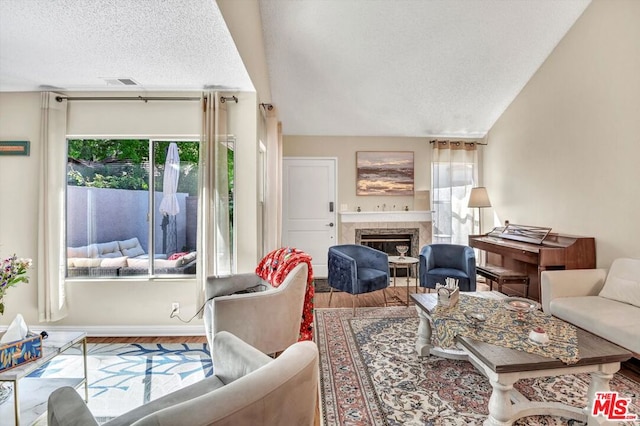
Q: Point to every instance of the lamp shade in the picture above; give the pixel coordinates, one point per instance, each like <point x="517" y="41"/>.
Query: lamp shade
<point x="479" y="197"/>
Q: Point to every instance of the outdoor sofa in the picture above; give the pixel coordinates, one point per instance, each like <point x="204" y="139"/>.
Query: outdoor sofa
<point x="124" y="258"/>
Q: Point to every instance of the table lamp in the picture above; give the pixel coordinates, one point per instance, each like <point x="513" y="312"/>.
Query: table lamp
<point x="479" y="198"/>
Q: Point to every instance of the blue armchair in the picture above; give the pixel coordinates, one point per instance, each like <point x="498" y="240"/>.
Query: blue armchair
<point x="357" y="269"/>
<point x="440" y="261"/>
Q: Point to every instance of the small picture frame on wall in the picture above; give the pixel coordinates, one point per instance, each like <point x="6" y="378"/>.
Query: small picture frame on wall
<point x="14" y="148"/>
<point x="384" y="173"/>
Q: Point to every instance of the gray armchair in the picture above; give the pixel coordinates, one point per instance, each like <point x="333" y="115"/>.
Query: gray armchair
<point x="441" y="261"/>
<point x="357" y="269"/>
<point x="248" y="388"/>
<point x="266" y="317"/>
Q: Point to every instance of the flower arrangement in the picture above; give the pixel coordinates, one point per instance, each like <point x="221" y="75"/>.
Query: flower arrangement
<point x="13" y="271"/>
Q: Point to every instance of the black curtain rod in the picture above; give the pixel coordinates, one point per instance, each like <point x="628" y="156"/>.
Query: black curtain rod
<point x="465" y="142"/>
<point x="124" y="98"/>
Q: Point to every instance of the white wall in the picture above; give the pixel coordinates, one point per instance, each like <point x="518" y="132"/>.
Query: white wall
<point x="566" y="152"/>
<point x="124" y="304"/>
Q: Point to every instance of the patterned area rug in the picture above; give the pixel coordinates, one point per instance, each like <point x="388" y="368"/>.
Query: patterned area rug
<point x="125" y="376"/>
<point x="371" y="375"/>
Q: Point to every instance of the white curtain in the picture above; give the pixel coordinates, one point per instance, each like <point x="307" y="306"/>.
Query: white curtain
<point x="52" y="304"/>
<point x="214" y="237"/>
<point x="454" y="171"/>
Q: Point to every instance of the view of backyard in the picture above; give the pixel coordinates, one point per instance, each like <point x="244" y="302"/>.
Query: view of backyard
<point x="111" y="184"/>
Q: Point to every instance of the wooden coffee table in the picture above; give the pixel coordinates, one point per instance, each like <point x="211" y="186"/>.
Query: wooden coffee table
<point x="503" y="367"/>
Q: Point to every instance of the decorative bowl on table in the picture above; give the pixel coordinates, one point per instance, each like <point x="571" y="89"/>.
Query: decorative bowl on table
<point x="538" y="336"/>
<point x="475" y="317"/>
<point x="520" y="304"/>
<point x="402" y="250"/>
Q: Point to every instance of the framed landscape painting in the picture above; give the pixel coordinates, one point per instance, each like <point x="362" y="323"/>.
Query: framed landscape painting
<point x="384" y="173"/>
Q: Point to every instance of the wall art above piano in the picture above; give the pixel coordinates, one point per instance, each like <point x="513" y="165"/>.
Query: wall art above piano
<point x="384" y="173"/>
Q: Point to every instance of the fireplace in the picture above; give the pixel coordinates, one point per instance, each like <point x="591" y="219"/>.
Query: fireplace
<point x="386" y="240"/>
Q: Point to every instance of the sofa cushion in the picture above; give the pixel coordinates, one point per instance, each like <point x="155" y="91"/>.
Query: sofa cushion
<point x="114" y="262"/>
<point x="110" y="249"/>
<point x="131" y="247"/>
<point x="607" y="318"/>
<point x="77" y="252"/>
<point x="83" y="251"/>
<point x="623" y="282"/>
<point x="80" y="262"/>
<point x="189" y="257"/>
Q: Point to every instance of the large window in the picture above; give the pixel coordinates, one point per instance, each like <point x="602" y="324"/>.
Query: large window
<point x="131" y="207"/>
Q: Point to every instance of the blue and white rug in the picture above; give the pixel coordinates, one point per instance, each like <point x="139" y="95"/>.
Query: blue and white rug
<point x="125" y="376"/>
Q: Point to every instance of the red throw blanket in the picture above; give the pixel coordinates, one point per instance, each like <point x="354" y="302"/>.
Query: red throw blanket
<point x="275" y="266"/>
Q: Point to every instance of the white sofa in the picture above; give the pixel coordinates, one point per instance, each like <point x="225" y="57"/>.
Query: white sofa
<point x="605" y="304"/>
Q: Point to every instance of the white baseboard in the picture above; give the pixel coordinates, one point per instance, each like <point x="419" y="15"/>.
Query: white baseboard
<point x="129" y="331"/>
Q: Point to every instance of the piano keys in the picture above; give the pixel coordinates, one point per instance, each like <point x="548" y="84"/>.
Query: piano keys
<point x="555" y="251"/>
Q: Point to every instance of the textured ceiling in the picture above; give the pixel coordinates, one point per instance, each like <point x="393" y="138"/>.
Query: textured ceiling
<point x="77" y="44"/>
<point x="337" y="67"/>
<point x="405" y="67"/>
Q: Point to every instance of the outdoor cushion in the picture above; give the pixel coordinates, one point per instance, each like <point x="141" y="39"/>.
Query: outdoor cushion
<point x="114" y="262"/>
<point x="79" y="262"/>
<point x="110" y="249"/>
<point x="189" y="257"/>
<point x="83" y="251"/>
<point x="131" y="247"/>
<point x="76" y="252"/>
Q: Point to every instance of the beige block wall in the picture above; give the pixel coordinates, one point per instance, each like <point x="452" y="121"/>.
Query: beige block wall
<point x="566" y="152"/>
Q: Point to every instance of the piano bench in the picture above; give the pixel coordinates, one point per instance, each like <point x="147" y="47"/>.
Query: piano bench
<point x="502" y="276"/>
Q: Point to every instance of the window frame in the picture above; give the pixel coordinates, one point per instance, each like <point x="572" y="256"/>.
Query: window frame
<point x="151" y="214"/>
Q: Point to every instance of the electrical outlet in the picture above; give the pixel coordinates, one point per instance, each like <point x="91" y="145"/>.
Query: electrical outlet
<point x="175" y="308"/>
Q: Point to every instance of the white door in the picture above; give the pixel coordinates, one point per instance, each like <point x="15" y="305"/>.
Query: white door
<point x="309" y="218"/>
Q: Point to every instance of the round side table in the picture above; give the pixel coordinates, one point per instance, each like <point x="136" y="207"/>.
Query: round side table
<point x="408" y="263"/>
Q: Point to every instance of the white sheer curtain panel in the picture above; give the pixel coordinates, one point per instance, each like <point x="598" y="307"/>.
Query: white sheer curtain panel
<point x="52" y="305"/>
<point x="214" y="239"/>
<point x="454" y="171"/>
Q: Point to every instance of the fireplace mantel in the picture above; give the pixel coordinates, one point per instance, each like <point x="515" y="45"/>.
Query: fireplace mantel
<point x="387" y="216"/>
<point x="387" y="222"/>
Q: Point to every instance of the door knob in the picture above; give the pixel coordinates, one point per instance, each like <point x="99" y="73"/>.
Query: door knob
<point x="330" y="224"/>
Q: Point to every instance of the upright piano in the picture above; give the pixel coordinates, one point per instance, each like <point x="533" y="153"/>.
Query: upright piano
<point x="531" y="250"/>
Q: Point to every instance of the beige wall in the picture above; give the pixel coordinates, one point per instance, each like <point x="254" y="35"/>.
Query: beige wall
<point x="345" y="148"/>
<point x="245" y="26"/>
<point x="566" y="152"/>
<point x="20" y="120"/>
<point x="122" y="306"/>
